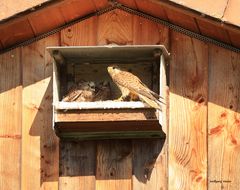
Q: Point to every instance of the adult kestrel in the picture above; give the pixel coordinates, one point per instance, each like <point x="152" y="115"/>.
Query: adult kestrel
<point x="131" y="86"/>
<point x="84" y="91"/>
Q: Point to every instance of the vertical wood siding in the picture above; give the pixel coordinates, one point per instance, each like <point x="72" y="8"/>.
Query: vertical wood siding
<point x="204" y="108"/>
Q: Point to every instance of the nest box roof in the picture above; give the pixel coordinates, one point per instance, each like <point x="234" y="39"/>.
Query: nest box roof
<point x="23" y="21"/>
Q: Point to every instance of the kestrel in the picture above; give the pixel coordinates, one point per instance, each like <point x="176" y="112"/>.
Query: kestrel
<point x="131" y="86"/>
<point x="103" y="91"/>
<point x="84" y="91"/>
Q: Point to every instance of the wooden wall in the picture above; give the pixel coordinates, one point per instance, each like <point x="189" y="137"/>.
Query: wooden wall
<point x="203" y="136"/>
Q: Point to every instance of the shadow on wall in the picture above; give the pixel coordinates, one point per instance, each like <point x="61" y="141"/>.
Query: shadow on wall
<point x="112" y="159"/>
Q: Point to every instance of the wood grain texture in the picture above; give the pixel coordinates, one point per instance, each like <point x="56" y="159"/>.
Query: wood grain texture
<point x="150" y="157"/>
<point x="181" y="19"/>
<point x="149" y="165"/>
<point x="146" y="32"/>
<point x="73" y="9"/>
<point x="223" y="120"/>
<point x="115" y="27"/>
<point x="107" y="115"/>
<point x="39" y="144"/>
<point x="100" y="4"/>
<point x="10" y="120"/>
<point x="151" y="8"/>
<point x="10" y="93"/>
<point x="49" y="141"/>
<point x="114" y="165"/>
<point x="129" y="3"/>
<point x="188" y="113"/>
<point x="209" y="29"/>
<point x="83" y="33"/>
<point x="114" y="160"/>
<point x="10" y="163"/>
<point x="80" y="34"/>
<point x="41" y="23"/>
<point x="22" y="31"/>
<point x="77" y="165"/>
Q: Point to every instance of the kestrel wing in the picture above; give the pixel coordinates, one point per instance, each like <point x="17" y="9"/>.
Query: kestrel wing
<point x="133" y="83"/>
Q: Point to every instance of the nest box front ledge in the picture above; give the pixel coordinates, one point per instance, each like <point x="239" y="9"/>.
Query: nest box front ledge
<point x="82" y="117"/>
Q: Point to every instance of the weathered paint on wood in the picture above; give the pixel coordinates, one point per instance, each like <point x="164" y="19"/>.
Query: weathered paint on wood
<point x="223" y="119"/>
<point x="188" y="113"/>
<point x="10" y="119"/>
<point x="39" y="144"/>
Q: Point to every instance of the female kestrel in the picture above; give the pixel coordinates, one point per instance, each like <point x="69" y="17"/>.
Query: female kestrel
<point x="131" y="86"/>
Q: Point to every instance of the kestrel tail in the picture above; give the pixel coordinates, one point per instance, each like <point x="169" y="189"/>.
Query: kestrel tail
<point x="131" y="85"/>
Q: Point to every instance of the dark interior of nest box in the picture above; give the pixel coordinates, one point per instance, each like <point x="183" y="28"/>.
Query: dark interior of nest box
<point x="74" y="64"/>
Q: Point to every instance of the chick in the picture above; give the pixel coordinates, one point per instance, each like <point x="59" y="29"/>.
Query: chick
<point x="84" y="91"/>
<point x="103" y="91"/>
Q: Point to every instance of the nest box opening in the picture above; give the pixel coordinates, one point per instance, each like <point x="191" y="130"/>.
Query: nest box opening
<point x="86" y="101"/>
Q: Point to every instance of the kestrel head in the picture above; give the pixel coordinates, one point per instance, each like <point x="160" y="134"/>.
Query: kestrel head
<point x="113" y="69"/>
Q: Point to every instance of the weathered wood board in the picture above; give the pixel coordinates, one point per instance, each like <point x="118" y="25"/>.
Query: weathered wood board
<point x="188" y="113"/>
<point x="223" y="119"/>
<point x="10" y="120"/>
<point x="77" y="165"/>
<point x="39" y="143"/>
<point x="83" y="33"/>
<point x="114" y="165"/>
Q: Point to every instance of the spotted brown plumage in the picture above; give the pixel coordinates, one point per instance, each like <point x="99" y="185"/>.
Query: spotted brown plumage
<point x="131" y="85"/>
<point x="84" y="91"/>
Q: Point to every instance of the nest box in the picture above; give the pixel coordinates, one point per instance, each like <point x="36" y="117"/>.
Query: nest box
<point x="109" y="118"/>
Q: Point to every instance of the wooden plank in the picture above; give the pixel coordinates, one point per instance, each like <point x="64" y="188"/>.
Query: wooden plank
<point x="115" y="27"/>
<point x="79" y="34"/>
<point x="150" y="164"/>
<point x="151" y="8"/>
<point x="151" y="33"/>
<point x="223" y="119"/>
<point x="129" y="3"/>
<point x="77" y="165"/>
<point x="114" y="160"/>
<point x="215" y="9"/>
<point x="107" y="115"/>
<point x="41" y="23"/>
<point x="100" y="4"/>
<point x="234" y="38"/>
<point x="76" y="34"/>
<point x="73" y="9"/>
<point x="188" y="113"/>
<point x="181" y="19"/>
<point x="208" y="29"/>
<point x="22" y="31"/>
<point x="71" y="127"/>
<point x="10" y="93"/>
<point x="10" y="119"/>
<point x="114" y="165"/>
<point x="39" y="144"/>
<point x="10" y="163"/>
